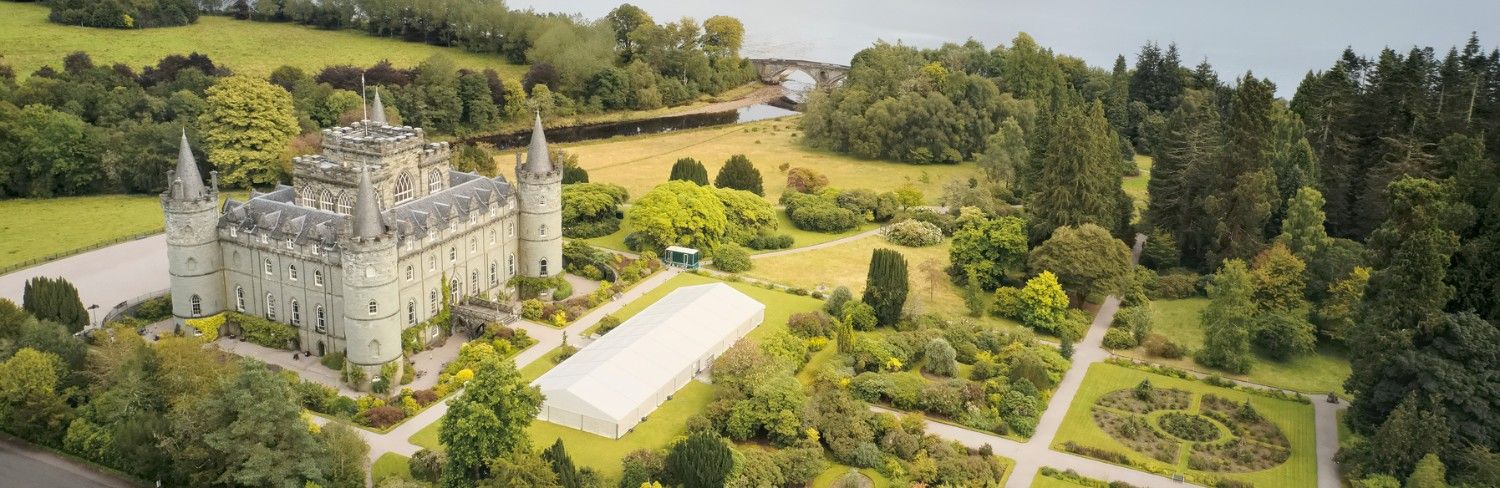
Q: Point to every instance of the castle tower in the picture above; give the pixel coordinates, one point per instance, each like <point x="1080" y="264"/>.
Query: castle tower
<point x="372" y="327"/>
<point x="194" y="260"/>
<point x="539" y="185"/>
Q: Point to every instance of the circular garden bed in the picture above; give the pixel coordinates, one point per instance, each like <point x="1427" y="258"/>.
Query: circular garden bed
<point x="1219" y="435"/>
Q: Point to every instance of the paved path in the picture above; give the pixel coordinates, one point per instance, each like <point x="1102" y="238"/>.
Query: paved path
<point x="104" y="276"/>
<point x="24" y="465"/>
<point x="815" y="247"/>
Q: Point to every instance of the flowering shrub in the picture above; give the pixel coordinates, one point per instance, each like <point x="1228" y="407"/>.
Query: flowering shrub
<point x="912" y="233"/>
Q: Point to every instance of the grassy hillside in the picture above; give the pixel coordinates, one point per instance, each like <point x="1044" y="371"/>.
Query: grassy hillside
<point x="28" y="41"/>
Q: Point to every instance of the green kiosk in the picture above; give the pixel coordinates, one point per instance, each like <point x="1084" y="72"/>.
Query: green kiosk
<point x="681" y="257"/>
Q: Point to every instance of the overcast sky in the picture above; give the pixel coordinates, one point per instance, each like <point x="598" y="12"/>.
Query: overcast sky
<point x="1278" y="39"/>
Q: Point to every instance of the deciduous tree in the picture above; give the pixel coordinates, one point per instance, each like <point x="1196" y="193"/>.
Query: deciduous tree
<point x="246" y="128"/>
<point x="486" y="422"/>
<point x="1087" y="261"/>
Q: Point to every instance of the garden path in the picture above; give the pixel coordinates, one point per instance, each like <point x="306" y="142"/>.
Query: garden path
<point x="821" y="245"/>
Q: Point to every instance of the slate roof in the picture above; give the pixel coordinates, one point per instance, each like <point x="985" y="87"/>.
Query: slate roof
<point x="275" y="212"/>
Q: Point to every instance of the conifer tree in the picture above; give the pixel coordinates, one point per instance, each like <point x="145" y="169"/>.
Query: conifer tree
<point x="1244" y="193"/>
<point x="1228" y="319"/>
<point x="1430" y="473"/>
<point x="702" y="460"/>
<point x="1185" y="154"/>
<point x="1302" y="229"/>
<point x="1078" y="174"/>
<point x="54" y="300"/>
<point x="562" y="464"/>
<point x="886" y="285"/>
<point x="689" y="169"/>
<point x="738" y="173"/>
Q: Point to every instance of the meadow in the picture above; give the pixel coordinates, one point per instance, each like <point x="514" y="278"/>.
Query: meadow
<point x="43" y="229"/>
<point x="28" y="42"/>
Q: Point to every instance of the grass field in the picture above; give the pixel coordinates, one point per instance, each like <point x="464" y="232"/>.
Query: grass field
<point x="670" y="419"/>
<point x="837" y="471"/>
<point x="847" y="264"/>
<point x="390" y="465"/>
<point x="1135" y="186"/>
<point x="1318" y="373"/>
<point x="28" y="41"/>
<point x="639" y="163"/>
<point x="1294" y="419"/>
<point x="72" y="223"/>
<point x="1049" y="482"/>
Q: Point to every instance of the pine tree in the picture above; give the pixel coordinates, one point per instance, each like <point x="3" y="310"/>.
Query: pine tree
<point x="54" y="300"/>
<point x="1244" y="193"/>
<point x="1430" y="473"/>
<point x="562" y="464"/>
<point x="739" y="174"/>
<point x="886" y="285"/>
<point x="1302" y="229"/>
<point x="1404" y="299"/>
<point x="1078" y="181"/>
<point x="1185" y="156"/>
<point x="1228" y="319"/>
<point x="689" y="169"/>
<point x="702" y="460"/>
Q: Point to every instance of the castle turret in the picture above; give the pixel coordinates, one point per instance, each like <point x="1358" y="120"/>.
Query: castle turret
<point x="539" y="186"/>
<point x="372" y="327"/>
<point x="194" y="260"/>
<point x="377" y="110"/>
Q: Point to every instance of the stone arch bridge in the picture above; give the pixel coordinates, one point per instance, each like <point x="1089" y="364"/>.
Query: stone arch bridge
<point x="774" y="71"/>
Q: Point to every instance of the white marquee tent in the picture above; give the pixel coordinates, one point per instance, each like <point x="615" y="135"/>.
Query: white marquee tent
<point x="610" y="385"/>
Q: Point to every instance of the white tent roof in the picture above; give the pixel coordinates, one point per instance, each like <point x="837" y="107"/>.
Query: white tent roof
<point x="612" y="376"/>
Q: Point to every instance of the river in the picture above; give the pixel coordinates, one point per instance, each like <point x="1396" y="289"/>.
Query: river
<point x="604" y="130"/>
<point x="1279" y="39"/>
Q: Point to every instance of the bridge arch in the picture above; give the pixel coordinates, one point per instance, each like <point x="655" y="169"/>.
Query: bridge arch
<point x="774" y="71"/>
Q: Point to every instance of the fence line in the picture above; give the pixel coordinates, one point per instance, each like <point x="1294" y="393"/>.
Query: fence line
<point x="71" y="252"/>
<point x="120" y="308"/>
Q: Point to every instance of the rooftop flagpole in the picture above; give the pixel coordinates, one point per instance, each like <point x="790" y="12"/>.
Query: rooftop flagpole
<point x="364" y="103"/>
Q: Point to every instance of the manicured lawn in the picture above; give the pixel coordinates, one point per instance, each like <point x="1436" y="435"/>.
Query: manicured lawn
<point x="800" y="238"/>
<point x="847" y="264"/>
<point x="28" y="41"/>
<point x="1049" y="482"/>
<point x="836" y="472"/>
<point x="639" y="163"/>
<point x="1294" y="419"/>
<point x="388" y="465"/>
<point x="428" y="436"/>
<point x="38" y="228"/>
<point x="1318" y="373"/>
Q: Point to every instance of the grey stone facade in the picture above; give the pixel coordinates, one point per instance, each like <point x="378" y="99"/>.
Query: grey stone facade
<point x="356" y="250"/>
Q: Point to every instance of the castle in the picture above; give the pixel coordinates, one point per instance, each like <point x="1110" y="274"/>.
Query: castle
<point x="354" y="251"/>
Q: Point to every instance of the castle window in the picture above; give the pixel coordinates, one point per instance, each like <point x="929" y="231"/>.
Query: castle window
<point x="291" y="272"/>
<point x="432" y="299"/>
<point x="268" y="266"/>
<point x="494" y="277"/>
<point x="270" y="307"/>
<point x="411" y="312"/>
<point x="432" y="263"/>
<point x="473" y="244"/>
<point x="510" y="265"/>
<point x="409" y="273"/>
<point x="197" y="305"/>
<point x="542" y="231"/>
<point x="234" y="232"/>
<point x="322" y="323"/>
<point x="296" y="313"/>
<point x="374" y="308"/>
<point x="318" y="276"/>
<point x="458" y="290"/>
<point x="474" y="280"/>
<point x="510" y="229"/>
<point x="403" y="188"/>
<point x="326" y="201"/>
<point x="492" y="236"/>
<point x="544" y="267"/>
<point x="434" y="181"/>
<point x="346" y="203"/>
<point x="452" y="254"/>
<point x="239" y="298"/>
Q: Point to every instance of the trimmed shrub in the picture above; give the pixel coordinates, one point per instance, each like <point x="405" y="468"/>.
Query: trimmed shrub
<point x="333" y="360"/>
<point x="940" y="358"/>
<point x="381" y="417"/>
<point x="1117" y="338"/>
<point x="912" y="233"/>
<point x="1136" y="320"/>
<point x="823" y="218"/>
<point x="1160" y="346"/>
<point x="811" y="324"/>
<point x="762" y="242"/>
<point x="732" y="259"/>
<point x="1007" y="303"/>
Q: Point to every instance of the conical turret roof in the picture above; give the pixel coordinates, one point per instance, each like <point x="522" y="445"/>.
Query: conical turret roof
<point x="366" y="216"/>
<point x="187" y="170"/>
<point x="537" y="159"/>
<point x="377" y="109"/>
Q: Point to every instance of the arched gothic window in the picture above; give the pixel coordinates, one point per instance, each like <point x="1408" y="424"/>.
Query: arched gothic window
<point x="296" y="312"/>
<point x="458" y="290"/>
<point x="510" y="265"/>
<point x="474" y="280"/>
<point x="404" y="188"/>
<point x="269" y="270"/>
<point x="494" y="273"/>
<point x="432" y="305"/>
<point x="544" y="267"/>
<point x="409" y="273"/>
<point x="239" y="298"/>
<point x="197" y="305"/>
<point x="270" y="307"/>
<point x="411" y="312"/>
<point x="322" y="323"/>
<point x="346" y="203"/>
<point x="435" y="181"/>
<point x="318" y="276"/>
<point x="325" y="201"/>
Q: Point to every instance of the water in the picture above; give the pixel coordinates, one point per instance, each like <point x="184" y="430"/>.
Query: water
<point x="1279" y="39"/>
<point x="606" y="130"/>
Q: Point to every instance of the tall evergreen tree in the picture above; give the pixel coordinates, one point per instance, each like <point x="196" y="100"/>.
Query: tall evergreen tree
<point x="886" y="285"/>
<point x="562" y="464"/>
<point x="1117" y="99"/>
<point x="689" y="169"/>
<point x="1186" y="154"/>
<point x="1302" y="229"/>
<point x="1291" y="158"/>
<point x="1409" y="256"/>
<point x="55" y="300"/>
<point x="738" y="173"/>
<point x="1157" y="81"/>
<point x="1228" y="320"/>
<point x="702" y="460"/>
<point x="1079" y="175"/>
<point x="1244" y="193"/>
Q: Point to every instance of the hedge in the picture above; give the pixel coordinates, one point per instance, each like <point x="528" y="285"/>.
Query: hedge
<point x="263" y="332"/>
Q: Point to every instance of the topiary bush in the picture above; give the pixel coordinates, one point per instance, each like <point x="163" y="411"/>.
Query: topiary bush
<point x="912" y="233"/>
<point x="732" y="259"/>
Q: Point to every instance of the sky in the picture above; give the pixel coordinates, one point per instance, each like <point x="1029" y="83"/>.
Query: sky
<point x="1278" y="39"/>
